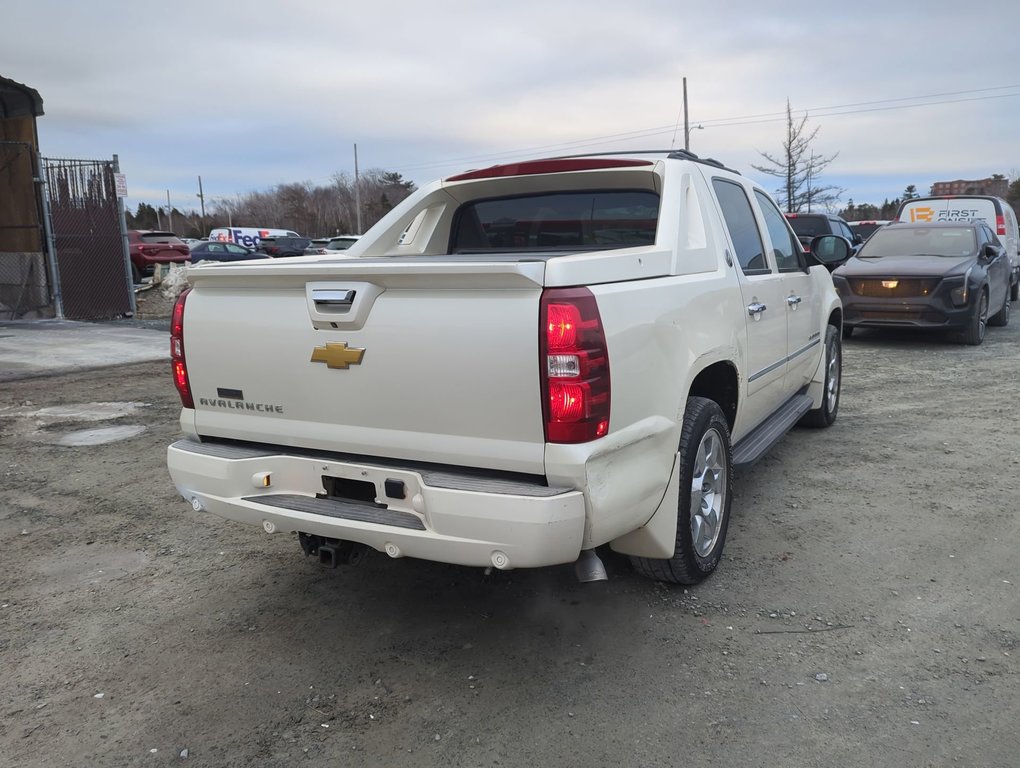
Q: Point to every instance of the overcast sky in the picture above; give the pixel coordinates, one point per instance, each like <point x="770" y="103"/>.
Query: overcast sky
<point x="250" y="95"/>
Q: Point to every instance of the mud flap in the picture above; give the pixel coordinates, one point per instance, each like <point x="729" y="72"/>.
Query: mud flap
<point x="657" y="537"/>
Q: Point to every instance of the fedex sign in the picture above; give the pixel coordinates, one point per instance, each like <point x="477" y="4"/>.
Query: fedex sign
<point x="249" y="237"/>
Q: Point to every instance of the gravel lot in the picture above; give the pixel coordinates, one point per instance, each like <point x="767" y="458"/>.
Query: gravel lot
<point x="866" y="612"/>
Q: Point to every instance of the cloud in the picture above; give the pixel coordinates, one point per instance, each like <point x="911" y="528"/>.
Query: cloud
<point x="277" y="92"/>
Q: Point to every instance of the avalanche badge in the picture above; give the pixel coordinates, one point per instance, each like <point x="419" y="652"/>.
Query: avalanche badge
<point x="337" y="355"/>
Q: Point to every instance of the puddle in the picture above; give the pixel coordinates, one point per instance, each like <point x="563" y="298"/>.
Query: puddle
<point x="98" y="436"/>
<point x="85" y="411"/>
<point x="33" y="422"/>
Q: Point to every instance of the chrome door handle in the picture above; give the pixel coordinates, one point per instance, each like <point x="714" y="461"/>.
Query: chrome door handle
<point x="755" y="308"/>
<point x="793" y="301"/>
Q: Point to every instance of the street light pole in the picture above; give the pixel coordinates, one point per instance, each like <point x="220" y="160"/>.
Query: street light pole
<point x="687" y="134"/>
<point x="687" y="130"/>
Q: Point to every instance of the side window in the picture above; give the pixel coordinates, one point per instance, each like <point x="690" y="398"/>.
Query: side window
<point x="743" y="229"/>
<point x="844" y="230"/>
<point x="785" y="245"/>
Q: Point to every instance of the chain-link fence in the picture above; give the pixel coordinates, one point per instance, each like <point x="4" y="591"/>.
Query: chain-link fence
<point x="87" y="234"/>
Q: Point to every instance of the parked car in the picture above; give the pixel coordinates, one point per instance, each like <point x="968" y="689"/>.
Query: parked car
<point x="994" y="211"/>
<point x="943" y="275"/>
<point x="342" y="242"/>
<point x="214" y="251"/>
<point x="280" y="246"/>
<point x="866" y="228"/>
<point x="338" y="243"/>
<point x="808" y="226"/>
<point x="147" y="248"/>
<point x="318" y="245"/>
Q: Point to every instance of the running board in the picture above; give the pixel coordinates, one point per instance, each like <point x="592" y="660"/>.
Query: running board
<point x="770" y="431"/>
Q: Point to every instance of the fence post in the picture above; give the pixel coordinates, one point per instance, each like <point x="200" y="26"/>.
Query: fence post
<point x="51" y="240"/>
<point x="124" y="244"/>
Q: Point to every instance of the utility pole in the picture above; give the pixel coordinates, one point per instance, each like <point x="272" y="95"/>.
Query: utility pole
<point x="357" y="192"/>
<point x="201" y="198"/>
<point x="169" y="215"/>
<point x="687" y="130"/>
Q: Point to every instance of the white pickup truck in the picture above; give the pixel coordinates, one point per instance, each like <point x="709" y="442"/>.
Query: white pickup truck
<point x="515" y="366"/>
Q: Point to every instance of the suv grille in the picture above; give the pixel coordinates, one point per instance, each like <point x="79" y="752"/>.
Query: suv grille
<point x="894" y="287"/>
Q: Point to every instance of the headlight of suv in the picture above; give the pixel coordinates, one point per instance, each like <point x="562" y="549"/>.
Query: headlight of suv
<point x="960" y="292"/>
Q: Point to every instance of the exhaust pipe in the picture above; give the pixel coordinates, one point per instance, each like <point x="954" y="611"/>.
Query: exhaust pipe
<point x="589" y="567"/>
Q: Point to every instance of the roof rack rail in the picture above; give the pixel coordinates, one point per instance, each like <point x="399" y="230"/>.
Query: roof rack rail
<point x="671" y="154"/>
<point x="683" y="154"/>
<point x="618" y="152"/>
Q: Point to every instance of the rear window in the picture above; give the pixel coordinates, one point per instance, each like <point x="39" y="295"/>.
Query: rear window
<point x="866" y="228"/>
<point x="160" y="237"/>
<point x="809" y="226"/>
<point x="341" y="243"/>
<point x="556" y="221"/>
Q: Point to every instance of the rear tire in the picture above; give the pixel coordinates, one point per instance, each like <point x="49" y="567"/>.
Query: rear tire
<point x="136" y="274"/>
<point x="1014" y="291"/>
<point x="825" y="414"/>
<point x="703" y="513"/>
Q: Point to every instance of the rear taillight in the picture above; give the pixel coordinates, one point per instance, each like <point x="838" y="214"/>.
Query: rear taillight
<point x="177" y="359"/>
<point x="575" y="366"/>
<point x="1000" y="225"/>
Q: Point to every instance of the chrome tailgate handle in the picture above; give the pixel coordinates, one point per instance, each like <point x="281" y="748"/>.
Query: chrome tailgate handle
<point x="333" y="298"/>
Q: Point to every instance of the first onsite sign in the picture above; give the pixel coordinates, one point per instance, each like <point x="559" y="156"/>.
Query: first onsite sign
<point x="120" y="182"/>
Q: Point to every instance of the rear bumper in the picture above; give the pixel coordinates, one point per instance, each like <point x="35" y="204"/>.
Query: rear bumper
<point x="425" y="512"/>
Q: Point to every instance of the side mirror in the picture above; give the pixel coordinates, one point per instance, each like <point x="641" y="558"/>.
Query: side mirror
<point x="831" y="250"/>
<point x="858" y="240"/>
<point x="991" y="252"/>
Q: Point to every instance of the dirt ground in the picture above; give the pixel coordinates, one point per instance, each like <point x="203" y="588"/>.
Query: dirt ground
<point x="866" y="611"/>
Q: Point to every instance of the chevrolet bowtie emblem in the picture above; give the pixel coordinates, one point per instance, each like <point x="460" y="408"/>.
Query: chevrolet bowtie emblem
<point x="337" y="355"/>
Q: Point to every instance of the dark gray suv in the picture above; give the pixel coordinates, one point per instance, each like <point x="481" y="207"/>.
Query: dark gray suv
<point x="808" y="226"/>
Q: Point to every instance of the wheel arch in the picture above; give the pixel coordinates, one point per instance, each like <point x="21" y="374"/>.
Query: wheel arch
<point x="718" y="382"/>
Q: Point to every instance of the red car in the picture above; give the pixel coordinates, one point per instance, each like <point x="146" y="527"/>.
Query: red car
<point x="149" y="248"/>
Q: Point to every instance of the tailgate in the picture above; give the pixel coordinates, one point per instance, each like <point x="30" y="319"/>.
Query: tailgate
<point x="423" y="361"/>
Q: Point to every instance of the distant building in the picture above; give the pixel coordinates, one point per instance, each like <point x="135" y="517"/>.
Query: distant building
<point x="996" y="187"/>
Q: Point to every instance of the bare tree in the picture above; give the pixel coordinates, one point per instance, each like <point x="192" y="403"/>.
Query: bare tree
<point x="316" y="211"/>
<point x="800" y="168"/>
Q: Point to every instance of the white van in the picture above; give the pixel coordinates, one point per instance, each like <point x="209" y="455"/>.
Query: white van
<point x="994" y="211"/>
<point x="249" y="237"/>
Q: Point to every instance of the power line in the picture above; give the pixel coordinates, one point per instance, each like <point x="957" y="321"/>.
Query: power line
<point x="837" y="110"/>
